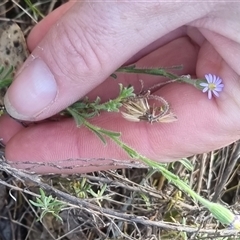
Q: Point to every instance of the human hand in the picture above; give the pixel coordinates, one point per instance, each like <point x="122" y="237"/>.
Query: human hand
<point x="98" y="38"/>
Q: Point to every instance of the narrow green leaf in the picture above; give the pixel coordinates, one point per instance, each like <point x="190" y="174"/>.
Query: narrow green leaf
<point x="132" y="153"/>
<point x="127" y="92"/>
<point x="6" y="76"/>
<point x="76" y="116"/>
<point x="187" y="164"/>
<point x="109" y="133"/>
<point x="1" y="69"/>
<point x="5" y="83"/>
<point x="98" y="134"/>
<point x="34" y="9"/>
<point x="7" y="73"/>
<point x="42" y="193"/>
<point x="79" y="105"/>
<point x="35" y="204"/>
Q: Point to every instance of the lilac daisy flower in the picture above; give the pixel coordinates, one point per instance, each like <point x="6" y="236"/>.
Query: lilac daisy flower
<point x="235" y="223"/>
<point x="212" y="86"/>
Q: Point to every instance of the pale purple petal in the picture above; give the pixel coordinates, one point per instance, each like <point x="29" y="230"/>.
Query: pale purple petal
<point x="219" y="89"/>
<point x="206" y="77"/>
<point x="214" y="79"/>
<point x="220" y="85"/>
<point x="215" y="93"/>
<point x="204" y="84"/>
<point x="209" y="78"/>
<point x="209" y="94"/>
<point x="218" y="81"/>
<point x="205" y="89"/>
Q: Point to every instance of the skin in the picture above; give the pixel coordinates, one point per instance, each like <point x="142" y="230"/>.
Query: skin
<point x="204" y="37"/>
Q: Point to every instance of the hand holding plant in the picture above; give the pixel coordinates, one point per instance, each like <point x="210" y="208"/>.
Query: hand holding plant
<point x="202" y="125"/>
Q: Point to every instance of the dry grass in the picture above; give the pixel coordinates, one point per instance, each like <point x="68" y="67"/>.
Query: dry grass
<point x="119" y="204"/>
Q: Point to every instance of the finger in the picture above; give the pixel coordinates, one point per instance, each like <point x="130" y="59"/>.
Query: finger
<point x="8" y="128"/>
<point x="228" y="49"/>
<point x="82" y="49"/>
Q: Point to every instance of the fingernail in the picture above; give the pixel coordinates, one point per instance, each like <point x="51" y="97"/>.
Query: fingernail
<point x="32" y="92"/>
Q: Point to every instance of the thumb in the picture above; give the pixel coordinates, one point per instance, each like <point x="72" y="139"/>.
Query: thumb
<point x="81" y="50"/>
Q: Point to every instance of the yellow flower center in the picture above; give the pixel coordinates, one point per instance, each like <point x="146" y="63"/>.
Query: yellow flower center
<point x="211" y="86"/>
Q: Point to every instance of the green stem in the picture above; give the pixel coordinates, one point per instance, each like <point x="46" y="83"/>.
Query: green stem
<point x="162" y="72"/>
<point x="171" y="177"/>
<point x="151" y="71"/>
<point x="166" y="173"/>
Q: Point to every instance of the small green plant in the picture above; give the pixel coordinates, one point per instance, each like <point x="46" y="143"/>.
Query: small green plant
<point x="34" y="9"/>
<point x="99" y="195"/>
<point x="81" y="188"/>
<point x="48" y="205"/>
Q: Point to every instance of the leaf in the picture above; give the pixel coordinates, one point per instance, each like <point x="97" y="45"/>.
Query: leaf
<point x="110" y="106"/>
<point x="35" y="204"/>
<point x="132" y="153"/>
<point x="6" y="73"/>
<point x="79" y="105"/>
<point x="126" y="92"/>
<point x="97" y="101"/>
<point x="5" y="83"/>
<point x="131" y="66"/>
<point x="97" y="133"/>
<point x="187" y="164"/>
<point x="78" y="119"/>
<point x="81" y="121"/>
<point x="34" y="9"/>
<point x="42" y="193"/>
<point x="109" y="133"/>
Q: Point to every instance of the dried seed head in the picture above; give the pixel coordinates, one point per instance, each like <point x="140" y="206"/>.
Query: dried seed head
<point x="138" y="109"/>
<point x="135" y="109"/>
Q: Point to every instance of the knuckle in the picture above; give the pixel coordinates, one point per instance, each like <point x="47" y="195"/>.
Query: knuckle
<point x="80" y="56"/>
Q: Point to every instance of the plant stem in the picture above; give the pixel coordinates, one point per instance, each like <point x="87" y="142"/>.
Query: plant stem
<point x="151" y="71"/>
